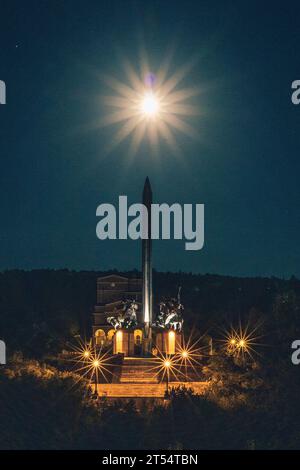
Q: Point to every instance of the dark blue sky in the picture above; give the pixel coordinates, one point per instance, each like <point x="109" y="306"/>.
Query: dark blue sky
<point x="245" y="168"/>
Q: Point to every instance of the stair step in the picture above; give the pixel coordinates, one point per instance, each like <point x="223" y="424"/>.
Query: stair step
<point x="145" y="390"/>
<point x="138" y="371"/>
<point x="136" y="379"/>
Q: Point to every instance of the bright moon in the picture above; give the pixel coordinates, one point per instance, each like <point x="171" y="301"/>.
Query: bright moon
<point x="150" y="105"/>
<point x="153" y="110"/>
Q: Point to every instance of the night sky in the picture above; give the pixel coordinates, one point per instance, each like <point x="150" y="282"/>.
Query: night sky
<point x="54" y="171"/>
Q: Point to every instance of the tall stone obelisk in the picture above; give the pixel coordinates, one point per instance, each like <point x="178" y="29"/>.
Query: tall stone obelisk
<point x="147" y="266"/>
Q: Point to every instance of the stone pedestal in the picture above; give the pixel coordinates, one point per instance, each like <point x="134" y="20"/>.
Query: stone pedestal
<point x="168" y="341"/>
<point x="131" y="343"/>
<point x="147" y="346"/>
<point x="123" y="342"/>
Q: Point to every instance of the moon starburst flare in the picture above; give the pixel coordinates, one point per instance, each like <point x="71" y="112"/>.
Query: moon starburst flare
<point x="150" y="105"/>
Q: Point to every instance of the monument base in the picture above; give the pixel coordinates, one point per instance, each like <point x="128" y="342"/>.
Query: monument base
<point x="147" y="347"/>
<point x="168" y="341"/>
<point x="133" y="343"/>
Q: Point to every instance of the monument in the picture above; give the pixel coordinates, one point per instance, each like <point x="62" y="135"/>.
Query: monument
<point x="147" y="269"/>
<point x="165" y="331"/>
<point x="123" y="316"/>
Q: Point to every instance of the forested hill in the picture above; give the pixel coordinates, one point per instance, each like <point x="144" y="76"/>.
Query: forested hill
<point x="40" y="309"/>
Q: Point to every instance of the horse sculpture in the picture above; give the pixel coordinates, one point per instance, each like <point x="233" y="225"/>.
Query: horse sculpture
<point x="170" y="314"/>
<point x="128" y="317"/>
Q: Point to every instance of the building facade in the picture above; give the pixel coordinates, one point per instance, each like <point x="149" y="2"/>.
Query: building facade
<point x="112" y="291"/>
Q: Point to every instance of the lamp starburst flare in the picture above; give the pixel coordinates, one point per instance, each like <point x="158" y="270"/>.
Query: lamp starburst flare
<point x="89" y="362"/>
<point x="165" y="366"/>
<point x="189" y="354"/>
<point x="242" y="342"/>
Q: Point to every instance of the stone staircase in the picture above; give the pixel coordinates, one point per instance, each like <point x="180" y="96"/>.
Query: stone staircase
<point x="137" y="370"/>
<point x="136" y="378"/>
